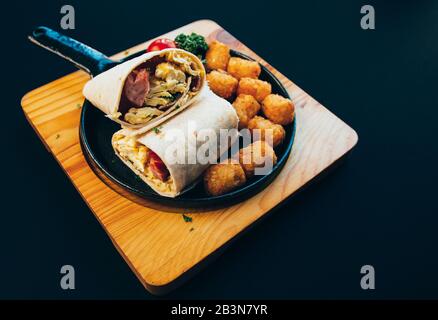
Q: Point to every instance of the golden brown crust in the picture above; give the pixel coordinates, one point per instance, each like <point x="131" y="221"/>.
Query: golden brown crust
<point x="217" y="56"/>
<point x="267" y="127"/>
<point x="222" y="84"/>
<point x="257" y="88"/>
<point x="256" y="155"/>
<point x="278" y="109"/>
<point x="223" y="177"/>
<point x="241" y="68"/>
<point x="246" y="107"/>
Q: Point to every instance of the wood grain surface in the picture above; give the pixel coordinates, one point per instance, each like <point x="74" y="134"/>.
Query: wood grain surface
<point x="161" y="248"/>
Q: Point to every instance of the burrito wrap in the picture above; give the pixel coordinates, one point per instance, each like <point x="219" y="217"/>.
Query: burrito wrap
<point x="106" y="89"/>
<point x="209" y="112"/>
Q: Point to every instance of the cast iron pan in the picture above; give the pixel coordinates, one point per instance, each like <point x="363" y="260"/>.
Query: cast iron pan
<point x="96" y="130"/>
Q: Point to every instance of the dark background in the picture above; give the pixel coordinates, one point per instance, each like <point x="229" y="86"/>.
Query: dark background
<point x="379" y="208"/>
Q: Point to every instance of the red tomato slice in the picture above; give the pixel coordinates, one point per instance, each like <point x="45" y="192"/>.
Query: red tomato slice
<point x="161" y="44"/>
<point x="158" y="167"/>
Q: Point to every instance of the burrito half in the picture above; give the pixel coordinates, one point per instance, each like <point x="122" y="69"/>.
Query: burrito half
<point x="210" y="123"/>
<point x="149" y="89"/>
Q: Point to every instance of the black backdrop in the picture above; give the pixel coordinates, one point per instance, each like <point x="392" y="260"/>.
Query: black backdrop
<point x="379" y="208"/>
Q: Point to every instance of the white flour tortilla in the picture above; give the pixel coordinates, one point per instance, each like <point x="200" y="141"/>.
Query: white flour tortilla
<point x="209" y="112"/>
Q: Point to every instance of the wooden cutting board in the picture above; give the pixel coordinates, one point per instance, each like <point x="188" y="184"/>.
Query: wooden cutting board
<point x="163" y="249"/>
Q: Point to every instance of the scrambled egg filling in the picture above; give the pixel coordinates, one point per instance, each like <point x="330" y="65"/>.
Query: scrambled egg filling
<point x="137" y="154"/>
<point x="185" y="62"/>
<point x="168" y="71"/>
<point x="142" y="115"/>
<point x="169" y="87"/>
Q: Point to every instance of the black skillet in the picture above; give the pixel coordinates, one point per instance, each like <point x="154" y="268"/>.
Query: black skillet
<point x="95" y="132"/>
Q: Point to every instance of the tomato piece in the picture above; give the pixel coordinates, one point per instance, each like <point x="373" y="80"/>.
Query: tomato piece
<point x="161" y="44"/>
<point x="157" y="166"/>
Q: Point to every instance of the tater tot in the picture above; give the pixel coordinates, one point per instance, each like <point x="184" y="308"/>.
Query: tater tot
<point x="217" y="56"/>
<point x="223" y="177"/>
<point x="257" y="88"/>
<point x="246" y="107"/>
<point x="267" y="127"/>
<point x="222" y="84"/>
<point x="258" y="154"/>
<point x="241" y="68"/>
<point x="278" y="109"/>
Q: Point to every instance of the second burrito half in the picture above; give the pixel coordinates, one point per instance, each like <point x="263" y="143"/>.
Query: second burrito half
<point x="209" y="124"/>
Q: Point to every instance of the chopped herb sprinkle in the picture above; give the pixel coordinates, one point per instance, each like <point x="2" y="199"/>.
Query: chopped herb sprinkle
<point x="187" y="218"/>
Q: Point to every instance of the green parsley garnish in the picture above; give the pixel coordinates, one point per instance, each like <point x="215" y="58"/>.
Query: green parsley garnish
<point x="79" y="106"/>
<point x="157" y="130"/>
<point x="193" y="43"/>
<point x="187" y="218"/>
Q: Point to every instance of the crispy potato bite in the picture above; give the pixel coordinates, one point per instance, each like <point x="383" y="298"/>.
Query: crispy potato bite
<point x="241" y="68"/>
<point x="222" y="84"/>
<point x="257" y="88"/>
<point x="266" y="128"/>
<point x="217" y="56"/>
<point x="246" y="108"/>
<point x="223" y="177"/>
<point x="278" y="109"/>
<point x="258" y="154"/>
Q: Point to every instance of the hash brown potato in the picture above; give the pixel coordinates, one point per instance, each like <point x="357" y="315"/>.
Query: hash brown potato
<point x="217" y="56"/>
<point x="278" y="109"/>
<point x="223" y="177"/>
<point x="246" y="107"/>
<point x="223" y="84"/>
<point x="257" y="88"/>
<point x="266" y="129"/>
<point x="258" y="154"/>
<point x="241" y="68"/>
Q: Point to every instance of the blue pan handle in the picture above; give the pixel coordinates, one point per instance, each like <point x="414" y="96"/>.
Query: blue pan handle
<point x="81" y="55"/>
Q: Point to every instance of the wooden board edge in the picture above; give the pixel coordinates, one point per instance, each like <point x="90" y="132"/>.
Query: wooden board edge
<point x="164" y="288"/>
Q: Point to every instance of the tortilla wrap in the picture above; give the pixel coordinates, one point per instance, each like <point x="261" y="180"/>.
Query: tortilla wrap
<point x="209" y="114"/>
<point x="106" y="89"/>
